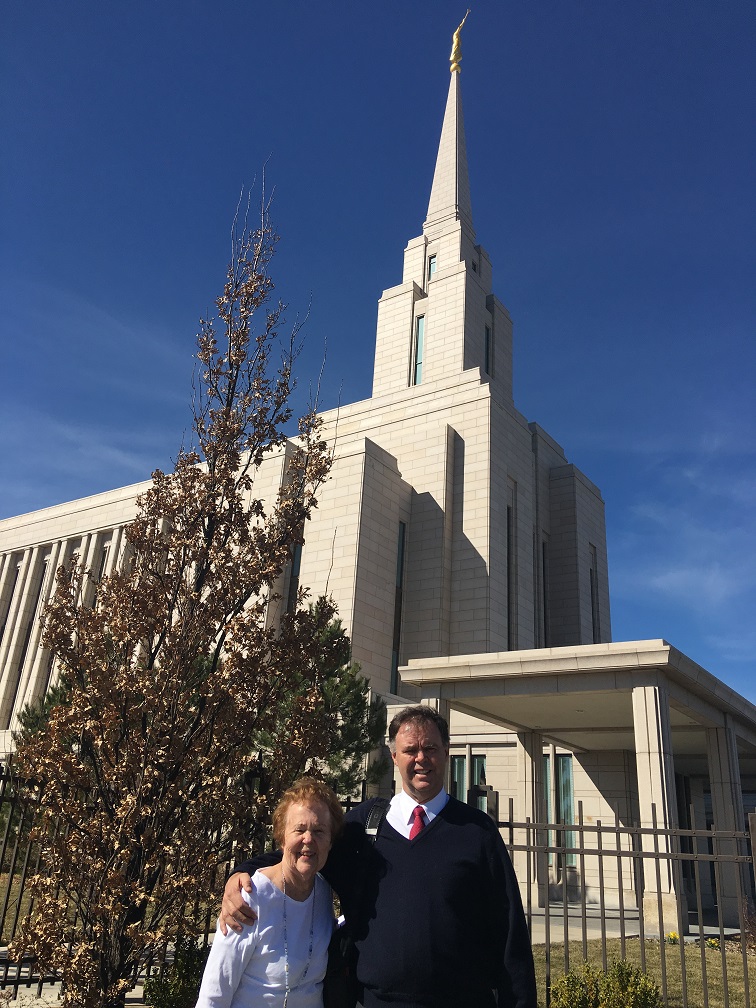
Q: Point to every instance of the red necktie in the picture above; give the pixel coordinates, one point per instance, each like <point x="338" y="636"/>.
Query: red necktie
<point x="419" y="821"/>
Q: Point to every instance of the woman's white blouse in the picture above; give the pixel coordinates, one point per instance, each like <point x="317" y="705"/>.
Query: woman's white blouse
<point x="247" y="970"/>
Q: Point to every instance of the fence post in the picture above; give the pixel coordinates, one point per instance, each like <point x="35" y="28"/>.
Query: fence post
<point x="752" y="831"/>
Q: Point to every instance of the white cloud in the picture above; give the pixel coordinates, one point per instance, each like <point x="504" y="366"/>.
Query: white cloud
<point x="738" y="646"/>
<point x="689" y="552"/>
<point x="683" y="558"/>
<point x="48" y="461"/>
<point x="95" y="401"/>
<point x="63" y="334"/>
<point x="700" y="586"/>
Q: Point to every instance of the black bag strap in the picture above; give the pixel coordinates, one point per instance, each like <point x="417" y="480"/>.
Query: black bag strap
<point x="376" y="815"/>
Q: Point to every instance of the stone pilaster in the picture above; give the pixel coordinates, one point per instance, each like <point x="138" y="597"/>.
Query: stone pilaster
<point x="663" y="899"/>
<point x="727" y="807"/>
<point x="531" y="867"/>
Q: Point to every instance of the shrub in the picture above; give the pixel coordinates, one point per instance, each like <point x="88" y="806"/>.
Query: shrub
<point x="580" y="988"/>
<point x="622" y="986"/>
<point x="179" y="985"/>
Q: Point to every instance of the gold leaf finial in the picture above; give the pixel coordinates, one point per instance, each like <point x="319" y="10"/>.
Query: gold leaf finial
<point x="456" y="53"/>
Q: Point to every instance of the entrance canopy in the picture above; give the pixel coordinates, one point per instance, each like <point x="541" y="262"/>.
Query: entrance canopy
<point x="582" y="697"/>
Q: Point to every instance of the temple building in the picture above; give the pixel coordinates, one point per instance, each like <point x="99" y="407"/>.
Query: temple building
<point x="467" y="556"/>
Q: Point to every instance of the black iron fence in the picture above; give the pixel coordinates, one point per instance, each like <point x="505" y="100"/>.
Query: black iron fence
<point x="678" y="903"/>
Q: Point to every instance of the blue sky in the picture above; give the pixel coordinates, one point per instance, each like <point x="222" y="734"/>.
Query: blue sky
<point x="612" y="152"/>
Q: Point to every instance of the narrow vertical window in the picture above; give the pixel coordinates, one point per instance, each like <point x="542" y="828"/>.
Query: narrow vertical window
<point x="545" y="593"/>
<point x="431" y="268"/>
<point x="417" y="350"/>
<point x="458" y="784"/>
<point x="398" y="593"/>
<point x="487" y="351"/>
<point x="296" y="564"/>
<point x="103" y="561"/>
<point x="479" y="779"/>
<point x="595" y="614"/>
<point x="565" y="802"/>
<point x="512" y="568"/>
<point x="560" y="805"/>
<point x="100" y="572"/>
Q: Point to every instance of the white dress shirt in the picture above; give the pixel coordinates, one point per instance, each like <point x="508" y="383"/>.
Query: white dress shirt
<point x="402" y="806"/>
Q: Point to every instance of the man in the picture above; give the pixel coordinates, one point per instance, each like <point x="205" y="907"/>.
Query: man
<point x="433" y="904"/>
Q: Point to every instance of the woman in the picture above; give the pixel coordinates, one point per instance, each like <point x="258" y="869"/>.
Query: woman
<point x="280" y="960"/>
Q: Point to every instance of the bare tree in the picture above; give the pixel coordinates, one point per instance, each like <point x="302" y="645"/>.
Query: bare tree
<point x="177" y="666"/>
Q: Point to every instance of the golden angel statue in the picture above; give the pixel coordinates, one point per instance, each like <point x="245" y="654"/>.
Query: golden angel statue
<point x="456" y="53"/>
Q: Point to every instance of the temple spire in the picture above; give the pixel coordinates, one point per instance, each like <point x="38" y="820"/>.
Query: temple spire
<point x="450" y="192"/>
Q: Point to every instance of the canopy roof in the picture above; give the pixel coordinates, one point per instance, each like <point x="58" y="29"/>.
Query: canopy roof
<point x="581" y="697"/>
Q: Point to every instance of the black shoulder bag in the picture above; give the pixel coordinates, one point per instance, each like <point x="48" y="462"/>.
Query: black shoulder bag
<point x="340" y="987"/>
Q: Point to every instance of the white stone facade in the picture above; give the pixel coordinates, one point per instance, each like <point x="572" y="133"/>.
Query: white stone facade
<point x="467" y="557"/>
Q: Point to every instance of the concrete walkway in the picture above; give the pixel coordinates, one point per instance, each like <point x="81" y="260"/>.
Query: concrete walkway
<point x="614" y="925"/>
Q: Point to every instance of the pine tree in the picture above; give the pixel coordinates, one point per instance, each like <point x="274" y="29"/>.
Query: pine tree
<point x="344" y="735"/>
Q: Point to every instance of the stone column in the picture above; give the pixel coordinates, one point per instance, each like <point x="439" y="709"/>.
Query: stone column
<point x="86" y="557"/>
<point x="114" y="551"/>
<point x="34" y="655"/>
<point x="13" y="638"/>
<point x="663" y="898"/>
<point x="530" y="867"/>
<point x="8" y="567"/>
<point x="37" y="662"/>
<point x="442" y="706"/>
<point x="727" y="806"/>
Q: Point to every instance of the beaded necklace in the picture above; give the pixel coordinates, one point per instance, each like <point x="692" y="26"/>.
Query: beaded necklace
<point x="286" y="941"/>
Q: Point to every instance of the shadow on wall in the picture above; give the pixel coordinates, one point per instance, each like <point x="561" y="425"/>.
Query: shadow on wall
<point x="446" y="608"/>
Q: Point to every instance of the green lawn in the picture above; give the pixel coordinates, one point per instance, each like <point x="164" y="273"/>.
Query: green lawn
<point x="681" y="962"/>
<point x="15" y="895"/>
